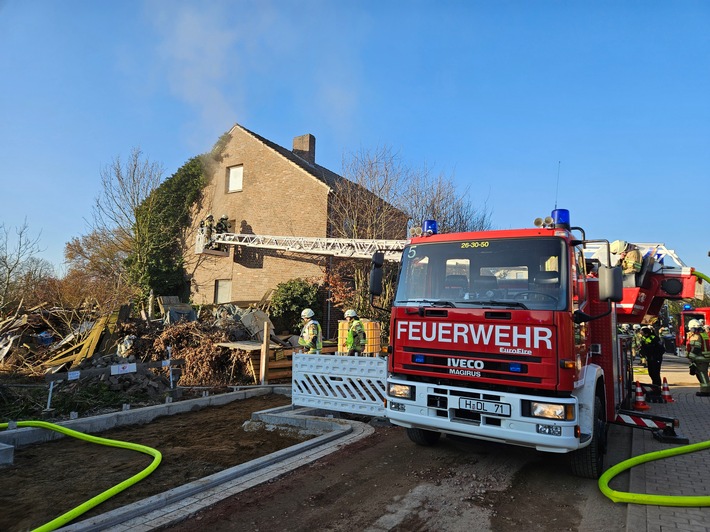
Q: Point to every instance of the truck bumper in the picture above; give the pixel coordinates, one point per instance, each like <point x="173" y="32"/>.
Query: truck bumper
<point x="487" y="415"/>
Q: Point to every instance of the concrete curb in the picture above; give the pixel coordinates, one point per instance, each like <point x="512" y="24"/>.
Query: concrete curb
<point x="179" y="503"/>
<point x="90" y="425"/>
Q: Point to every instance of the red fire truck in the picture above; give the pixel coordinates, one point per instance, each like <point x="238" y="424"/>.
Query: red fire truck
<point x="689" y="313"/>
<point x="511" y="336"/>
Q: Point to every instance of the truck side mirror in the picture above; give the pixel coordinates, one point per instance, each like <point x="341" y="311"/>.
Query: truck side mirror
<point x="378" y="260"/>
<point x="611" y="284"/>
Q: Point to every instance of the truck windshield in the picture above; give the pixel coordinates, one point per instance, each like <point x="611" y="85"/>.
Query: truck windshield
<point x="513" y="272"/>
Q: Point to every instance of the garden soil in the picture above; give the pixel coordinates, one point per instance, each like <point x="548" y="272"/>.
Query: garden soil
<point x="49" y="479"/>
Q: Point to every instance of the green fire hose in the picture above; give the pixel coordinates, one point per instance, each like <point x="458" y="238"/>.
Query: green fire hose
<point x="101" y="497"/>
<point x="657" y="500"/>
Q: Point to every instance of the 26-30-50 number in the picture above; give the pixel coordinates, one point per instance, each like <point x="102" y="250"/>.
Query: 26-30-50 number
<point x="475" y="244"/>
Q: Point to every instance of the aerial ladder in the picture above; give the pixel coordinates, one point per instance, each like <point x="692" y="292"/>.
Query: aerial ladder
<point x="351" y="248"/>
<point x="661" y="277"/>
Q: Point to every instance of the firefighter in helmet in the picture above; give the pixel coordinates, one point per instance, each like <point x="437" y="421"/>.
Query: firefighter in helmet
<point x="311" y="338"/>
<point x="356" y="339"/>
<point x="629" y="256"/>
<point x="207" y="228"/>
<point x="223" y="225"/>
<point x="699" y="355"/>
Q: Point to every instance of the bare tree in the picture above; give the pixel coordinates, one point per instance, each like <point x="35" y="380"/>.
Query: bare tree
<point x="17" y="261"/>
<point x="127" y="212"/>
<point x="124" y="189"/>
<point x="381" y="196"/>
<point x="430" y="197"/>
<point x="379" y="199"/>
<point x="364" y="204"/>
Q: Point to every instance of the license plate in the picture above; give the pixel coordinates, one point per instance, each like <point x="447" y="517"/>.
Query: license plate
<point x="487" y="407"/>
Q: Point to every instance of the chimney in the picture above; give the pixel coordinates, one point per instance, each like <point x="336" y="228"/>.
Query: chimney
<point x="305" y="147"/>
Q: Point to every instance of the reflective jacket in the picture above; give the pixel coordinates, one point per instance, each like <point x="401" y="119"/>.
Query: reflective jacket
<point x="356" y="336"/>
<point x="311" y="337"/>
<point x="695" y="344"/>
<point x="632" y="261"/>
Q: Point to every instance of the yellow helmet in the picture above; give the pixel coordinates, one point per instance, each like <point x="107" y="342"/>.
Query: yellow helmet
<point x="617" y="246"/>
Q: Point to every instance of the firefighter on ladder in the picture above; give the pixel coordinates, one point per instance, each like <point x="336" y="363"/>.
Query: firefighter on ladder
<point x="311" y="338"/>
<point x="698" y="348"/>
<point x="356" y="340"/>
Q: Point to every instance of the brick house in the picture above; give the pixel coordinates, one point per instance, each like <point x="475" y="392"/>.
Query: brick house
<point x="264" y="189"/>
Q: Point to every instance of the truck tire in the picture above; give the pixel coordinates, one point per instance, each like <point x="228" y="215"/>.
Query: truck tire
<point x="427" y="438"/>
<point x="589" y="462"/>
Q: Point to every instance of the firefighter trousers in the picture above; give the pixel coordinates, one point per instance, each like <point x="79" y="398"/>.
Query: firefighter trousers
<point x="701" y="362"/>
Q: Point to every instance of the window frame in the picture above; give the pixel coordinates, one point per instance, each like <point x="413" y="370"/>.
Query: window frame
<point x="229" y="179"/>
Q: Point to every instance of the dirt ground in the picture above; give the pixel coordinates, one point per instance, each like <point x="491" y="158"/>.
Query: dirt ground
<point x="51" y="478"/>
<point x="386" y="483"/>
<point x="380" y="483"/>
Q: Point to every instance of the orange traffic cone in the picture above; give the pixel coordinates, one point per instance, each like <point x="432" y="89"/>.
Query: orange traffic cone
<point x="640" y="403"/>
<point x="666" y="392"/>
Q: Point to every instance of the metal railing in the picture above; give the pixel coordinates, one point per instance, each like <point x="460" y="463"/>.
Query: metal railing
<point x="659" y="250"/>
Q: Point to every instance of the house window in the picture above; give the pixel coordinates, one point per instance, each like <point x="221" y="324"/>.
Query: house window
<point x="222" y="291"/>
<point x="235" y="176"/>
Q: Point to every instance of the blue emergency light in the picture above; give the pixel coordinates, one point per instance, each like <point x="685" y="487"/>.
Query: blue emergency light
<point x="560" y="217"/>
<point x="687" y="307"/>
<point x="515" y="367"/>
<point x="418" y="359"/>
<point x="429" y="227"/>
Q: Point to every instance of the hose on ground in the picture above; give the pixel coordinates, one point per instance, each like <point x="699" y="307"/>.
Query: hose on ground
<point x="656" y="500"/>
<point x="101" y="497"/>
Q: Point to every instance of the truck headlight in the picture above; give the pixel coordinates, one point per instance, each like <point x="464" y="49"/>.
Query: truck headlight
<point x="563" y="412"/>
<point x="402" y="391"/>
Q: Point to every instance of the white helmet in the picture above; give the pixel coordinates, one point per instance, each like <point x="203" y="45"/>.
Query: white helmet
<point x="307" y="313"/>
<point x="694" y="324"/>
<point x="636" y="326"/>
<point x="617" y="246"/>
<point x="224" y="217"/>
<point x="350" y="313"/>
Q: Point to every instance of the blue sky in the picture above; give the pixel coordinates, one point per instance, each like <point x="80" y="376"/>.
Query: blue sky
<point x="497" y="94"/>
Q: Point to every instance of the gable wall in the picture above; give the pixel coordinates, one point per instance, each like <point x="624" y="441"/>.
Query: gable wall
<point x="277" y="198"/>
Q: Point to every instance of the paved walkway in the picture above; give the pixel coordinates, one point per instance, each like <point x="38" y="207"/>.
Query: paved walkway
<point x="687" y="474"/>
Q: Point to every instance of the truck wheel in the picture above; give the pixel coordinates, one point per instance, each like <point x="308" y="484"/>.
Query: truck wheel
<point x="589" y="462"/>
<point x="423" y="437"/>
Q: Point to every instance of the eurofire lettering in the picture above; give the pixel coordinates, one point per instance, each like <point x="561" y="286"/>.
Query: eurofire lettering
<point x="513" y="336"/>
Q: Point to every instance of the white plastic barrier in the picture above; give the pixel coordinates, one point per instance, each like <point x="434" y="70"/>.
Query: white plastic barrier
<point x="340" y="383"/>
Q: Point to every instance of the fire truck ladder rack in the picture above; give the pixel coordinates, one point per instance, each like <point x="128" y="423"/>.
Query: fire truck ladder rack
<point x="663" y="428"/>
<point x="334" y="247"/>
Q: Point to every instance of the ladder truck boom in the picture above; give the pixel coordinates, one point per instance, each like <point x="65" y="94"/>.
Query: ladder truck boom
<point x="335" y="247"/>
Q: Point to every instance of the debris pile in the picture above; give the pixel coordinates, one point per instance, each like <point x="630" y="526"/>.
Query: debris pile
<point x="151" y="385"/>
<point x="38" y="343"/>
